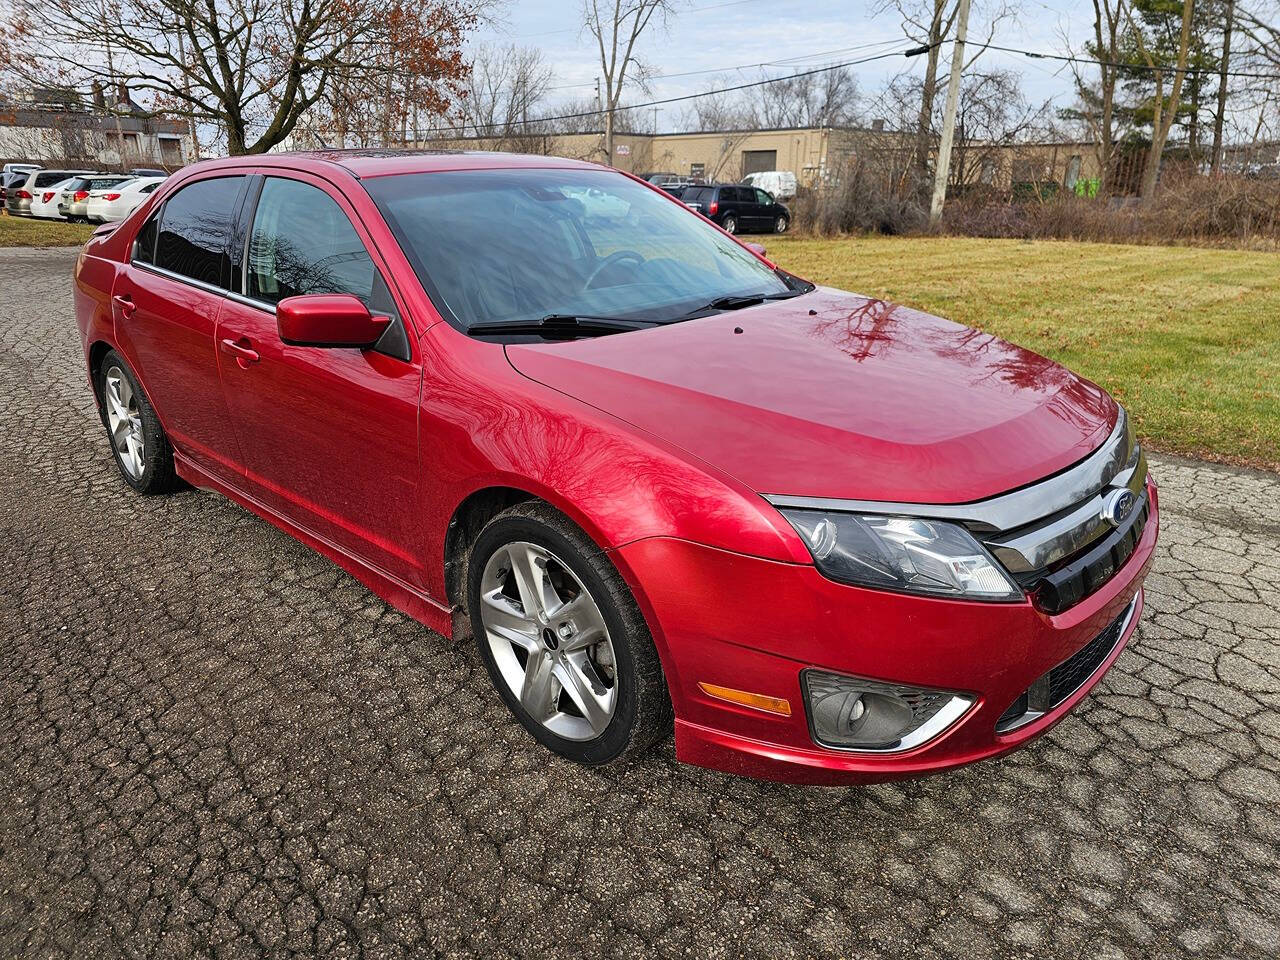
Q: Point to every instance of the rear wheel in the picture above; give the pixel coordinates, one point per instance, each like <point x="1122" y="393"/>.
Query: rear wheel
<point x="730" y="224"/>
<point x="138" y="442"/>
<point x="564" y="642"/>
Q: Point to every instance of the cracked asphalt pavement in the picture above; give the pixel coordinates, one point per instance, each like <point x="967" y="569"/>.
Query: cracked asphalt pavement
<point x="214" y="742"/>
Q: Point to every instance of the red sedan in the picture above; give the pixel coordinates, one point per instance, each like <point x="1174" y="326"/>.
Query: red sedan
<point x="659" y="479"/>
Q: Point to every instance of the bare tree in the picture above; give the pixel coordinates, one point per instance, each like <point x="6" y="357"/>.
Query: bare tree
<point x="827" y="99"/>
<point x="930" y="23"/>
<point x="617" y="26"/>
<point x="505" y="90"/>
<point x="253" y="68"/>
<point x="1224" y="68"/>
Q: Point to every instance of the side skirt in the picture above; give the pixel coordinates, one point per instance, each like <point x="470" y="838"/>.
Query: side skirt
<point x="396" y="592"/>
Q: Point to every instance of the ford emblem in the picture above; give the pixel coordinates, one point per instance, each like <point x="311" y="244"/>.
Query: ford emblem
<point x="1117" y="506"/>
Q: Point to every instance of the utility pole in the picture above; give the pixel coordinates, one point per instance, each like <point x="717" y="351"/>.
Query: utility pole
<point x="942" y="170"/>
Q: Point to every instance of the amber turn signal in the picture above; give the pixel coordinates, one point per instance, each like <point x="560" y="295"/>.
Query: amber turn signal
<point x="757" y="701"/>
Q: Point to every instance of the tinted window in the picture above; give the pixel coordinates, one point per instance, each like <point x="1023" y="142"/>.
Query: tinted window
<point x="302" y="242"/>
<point x="49" y="177"/>
<point x="193" y="229"/>
<point x="144" y="247"/>
<point x="698" y="194"/>
<point x="520" y="244"/>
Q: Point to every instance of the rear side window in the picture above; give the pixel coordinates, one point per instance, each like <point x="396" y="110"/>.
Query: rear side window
<point x="79" y="183"/>
<point x="302" y="242"/>
<point x="194" y="228"/>
<point x="697" y="194"/>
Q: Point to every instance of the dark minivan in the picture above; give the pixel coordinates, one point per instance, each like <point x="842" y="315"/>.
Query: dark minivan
<point x="739" y="208"/>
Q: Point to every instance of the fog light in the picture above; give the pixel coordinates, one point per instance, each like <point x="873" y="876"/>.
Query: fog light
<point x="854" y="714"/>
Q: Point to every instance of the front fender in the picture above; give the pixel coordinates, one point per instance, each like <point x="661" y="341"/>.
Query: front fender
<point x="619" y="484"/>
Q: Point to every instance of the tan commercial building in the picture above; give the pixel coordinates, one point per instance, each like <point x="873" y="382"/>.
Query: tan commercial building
<point x="813" y="154"/>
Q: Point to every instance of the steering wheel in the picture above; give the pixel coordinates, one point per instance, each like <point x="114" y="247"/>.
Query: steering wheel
<point x="617" y="257"/>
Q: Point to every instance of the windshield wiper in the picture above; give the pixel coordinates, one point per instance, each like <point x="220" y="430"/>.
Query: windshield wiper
<point x="561" y="325"/>
<point x="736" y="302"/>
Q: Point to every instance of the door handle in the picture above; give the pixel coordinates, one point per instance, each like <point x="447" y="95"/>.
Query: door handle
<point x="126" y="305"/>
<point x="241" y="350"/>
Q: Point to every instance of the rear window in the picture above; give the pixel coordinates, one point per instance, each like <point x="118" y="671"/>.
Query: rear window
<point x="194" y="229"/>
<point x="695" y="194"/>
<point x="101" y="183"/>
<point x="48" y="178"/>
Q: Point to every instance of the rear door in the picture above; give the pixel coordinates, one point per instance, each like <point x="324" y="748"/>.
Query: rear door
<point x="166" y="303"/>
<point x="329" y="434"/>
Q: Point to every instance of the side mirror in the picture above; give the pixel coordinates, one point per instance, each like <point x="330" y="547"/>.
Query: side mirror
<point x="328" y="320"/>
<point x="757" y="248"/>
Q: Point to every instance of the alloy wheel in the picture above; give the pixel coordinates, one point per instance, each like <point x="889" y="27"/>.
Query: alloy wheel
<point x="549" y="640"/>
<point x="124" y="422"/>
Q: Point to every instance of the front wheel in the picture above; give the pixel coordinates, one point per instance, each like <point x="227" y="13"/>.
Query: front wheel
<point x="730" y="224"/>
<point x="563" y="640"/>
<point x="780" y="225"/>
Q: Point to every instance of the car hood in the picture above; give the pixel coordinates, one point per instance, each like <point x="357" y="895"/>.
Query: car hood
<point x="836" y="395"/>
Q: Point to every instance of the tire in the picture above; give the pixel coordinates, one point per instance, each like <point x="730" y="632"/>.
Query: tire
<point x="588" y="686"/>
<point x="730" y="224"/>
<point x="142" y="451"/>
<point x="780" y="225"/>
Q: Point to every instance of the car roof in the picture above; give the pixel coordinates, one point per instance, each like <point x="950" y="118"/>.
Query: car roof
<point x="380" y="163"/>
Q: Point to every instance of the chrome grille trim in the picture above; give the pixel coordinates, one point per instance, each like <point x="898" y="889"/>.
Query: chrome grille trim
<point x="1009" y="511"/>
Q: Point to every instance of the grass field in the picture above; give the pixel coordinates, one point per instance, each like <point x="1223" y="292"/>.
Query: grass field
<point x="25" y="232"/>
<point x="1188" y="339"/>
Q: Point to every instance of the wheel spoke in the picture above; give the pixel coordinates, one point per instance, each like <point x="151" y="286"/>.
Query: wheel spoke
<point x="530" y="570"/>
<point x="578" y="676"/>
<point x="501" y="617"/>
<point x="537" y="689"/>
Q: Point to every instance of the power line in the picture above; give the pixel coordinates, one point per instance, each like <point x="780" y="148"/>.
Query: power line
<point x="690" y="96"/>
<point x="1071" y="58"/>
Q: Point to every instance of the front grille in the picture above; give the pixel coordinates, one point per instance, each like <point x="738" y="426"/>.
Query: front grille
<point x="1055" y="687"/>
<point x="1075" y="578"/>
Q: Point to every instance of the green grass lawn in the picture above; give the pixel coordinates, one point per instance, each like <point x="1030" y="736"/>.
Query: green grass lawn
<point x="25" y="232"/>
<point x="1188" y="339"/>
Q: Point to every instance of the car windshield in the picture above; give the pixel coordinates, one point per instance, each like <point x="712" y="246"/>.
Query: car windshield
<point x="511" y="246"/>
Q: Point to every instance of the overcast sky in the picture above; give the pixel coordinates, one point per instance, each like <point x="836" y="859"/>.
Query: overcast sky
<point x="712" y="35"/>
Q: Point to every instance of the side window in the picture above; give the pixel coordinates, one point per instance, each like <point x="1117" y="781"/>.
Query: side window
<point x="194" y="227"/>
<point x="144" y="245"/>
<point x="762" y="197"/>
<point x="302" y="242"/>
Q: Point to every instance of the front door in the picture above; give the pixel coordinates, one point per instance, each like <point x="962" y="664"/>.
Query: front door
<point x="166" y="304"/>
<point x="329" y="435"/>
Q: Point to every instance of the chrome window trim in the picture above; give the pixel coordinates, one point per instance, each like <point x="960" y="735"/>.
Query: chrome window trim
<point x="180" y="277"/>
<point x="1007" y="511"/>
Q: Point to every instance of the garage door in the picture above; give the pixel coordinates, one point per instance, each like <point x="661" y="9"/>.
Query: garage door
<point x="758" y="161"/>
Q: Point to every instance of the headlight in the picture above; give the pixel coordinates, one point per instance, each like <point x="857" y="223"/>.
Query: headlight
<point x="902" y="553"/>
<point x="849" y="713"/>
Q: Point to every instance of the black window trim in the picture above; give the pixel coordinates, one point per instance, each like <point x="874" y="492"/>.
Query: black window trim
<point x="397" y="337"/>
<point x="158" y="216"/>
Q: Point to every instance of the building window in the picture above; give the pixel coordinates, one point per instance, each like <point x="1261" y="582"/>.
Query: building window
<point x="697" y="169"/>
<point x="171" y="151"/>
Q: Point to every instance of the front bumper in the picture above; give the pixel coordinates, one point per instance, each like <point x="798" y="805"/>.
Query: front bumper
<point x="750" y="624"/>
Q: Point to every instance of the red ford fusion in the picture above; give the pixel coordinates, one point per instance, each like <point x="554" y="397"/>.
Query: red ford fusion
<point x="660" y="480"/>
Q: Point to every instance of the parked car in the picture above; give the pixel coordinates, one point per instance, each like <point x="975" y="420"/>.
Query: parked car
<point x="8" y="180"/>
<point x="738" y="208"/>
<point x="660" y="480"/>
<point x="779" y="183"/>
<point x="73" y="203"/>
<point x="44" y="203"/>
<point x="19" y="197"/>
<point x="23" y="168"/>
<point x="117" y="202"/>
